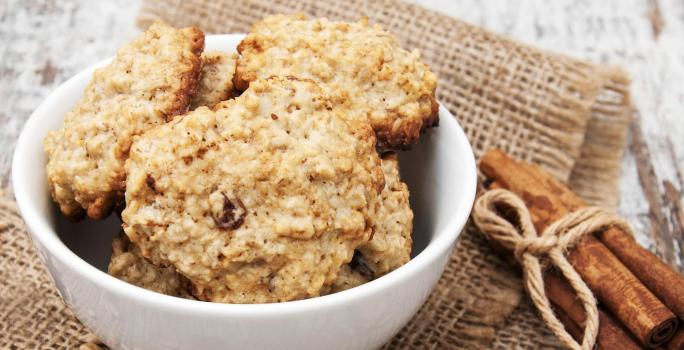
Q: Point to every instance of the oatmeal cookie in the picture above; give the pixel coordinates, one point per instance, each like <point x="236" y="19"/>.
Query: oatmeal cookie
<point x="128" y="264"/>
<point x="354" y="62"/>
<point x="390" y="246"/>
<point x="216" y="84"/>
<point x="149" y="81"/>
<point x="261" y="200"/>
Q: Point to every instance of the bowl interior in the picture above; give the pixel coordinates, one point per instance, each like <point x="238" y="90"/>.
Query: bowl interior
<point x="439" y="171"/>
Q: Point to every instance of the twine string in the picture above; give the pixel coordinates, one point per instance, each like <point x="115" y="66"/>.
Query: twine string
<point x="534" y="252"/>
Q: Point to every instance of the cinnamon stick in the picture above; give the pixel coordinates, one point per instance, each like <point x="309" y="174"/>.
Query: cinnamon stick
<point x="656" y="275"/>
<point x="613" y="284"/>
<point x="611" y="334"/>
<point x="660" y="278"/>
<point x="677" y="342"/>
<point x="573" y="328"/>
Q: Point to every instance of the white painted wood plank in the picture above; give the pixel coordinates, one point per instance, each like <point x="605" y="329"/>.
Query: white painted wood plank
<point x="43" y="43"/>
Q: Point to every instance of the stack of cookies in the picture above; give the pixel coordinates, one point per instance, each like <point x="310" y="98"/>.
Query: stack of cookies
<point x="261" y="177"/>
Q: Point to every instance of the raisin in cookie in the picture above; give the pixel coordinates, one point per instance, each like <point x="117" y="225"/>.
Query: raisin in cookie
<point x="149" y="81"/>
<point x="261" y="200"/>
<point x="216" y="84"/>
<point x="354" y="62"/>
<point x="128" y="264"/>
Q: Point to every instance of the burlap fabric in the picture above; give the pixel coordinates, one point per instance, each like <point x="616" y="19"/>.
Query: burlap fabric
<point x="567" y="115"/>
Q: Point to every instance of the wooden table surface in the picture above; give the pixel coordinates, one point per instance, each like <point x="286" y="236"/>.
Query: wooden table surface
<point x="43" y="43"/>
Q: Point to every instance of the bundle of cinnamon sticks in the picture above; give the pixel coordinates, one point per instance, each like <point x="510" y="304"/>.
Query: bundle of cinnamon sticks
<point x="641" y="299"/>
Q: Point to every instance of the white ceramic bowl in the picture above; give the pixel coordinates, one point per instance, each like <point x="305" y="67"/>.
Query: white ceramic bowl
<point x="440" y="172"/>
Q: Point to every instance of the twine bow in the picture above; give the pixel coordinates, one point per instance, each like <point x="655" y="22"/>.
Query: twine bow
<point x="529" y="248"/>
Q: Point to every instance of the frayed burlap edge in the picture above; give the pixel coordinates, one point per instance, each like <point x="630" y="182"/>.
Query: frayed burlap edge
<point x="596" y="172"/>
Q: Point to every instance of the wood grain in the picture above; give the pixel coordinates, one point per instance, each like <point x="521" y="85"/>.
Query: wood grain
<point x="660" y="230"/>
<point x="42" y="43"/>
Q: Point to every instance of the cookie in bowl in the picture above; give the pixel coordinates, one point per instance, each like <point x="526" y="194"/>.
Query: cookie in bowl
<point x="389" y="248"/>
<point x="357" y="63"/>
<point x="151" y="80"/>
<point x="128" y="264"/>
<point x="391" y="244"/>
<point x="440" y="171"/>
<point x="261" y="200"/>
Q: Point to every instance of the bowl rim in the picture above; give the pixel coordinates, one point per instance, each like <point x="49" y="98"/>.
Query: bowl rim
<point x="41" y="231"/>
